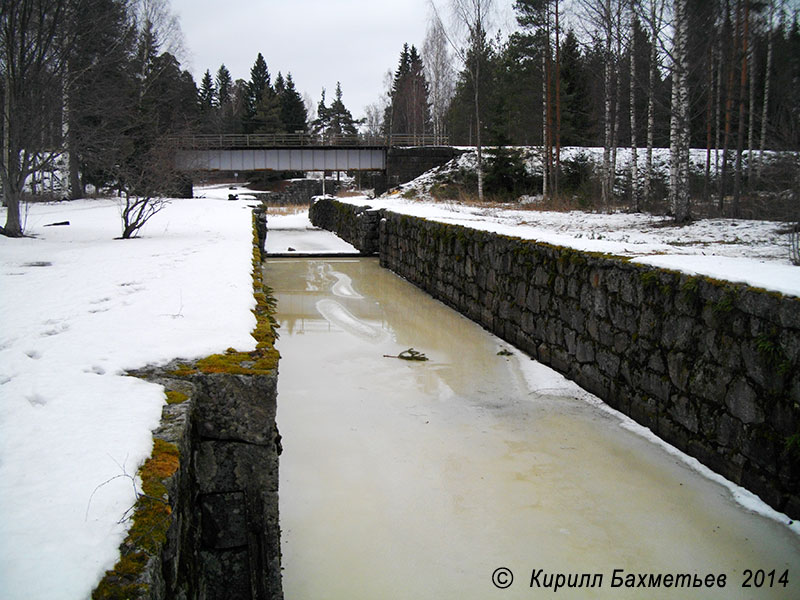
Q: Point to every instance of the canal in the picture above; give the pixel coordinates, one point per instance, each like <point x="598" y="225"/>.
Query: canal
<point x="420" y="479"/>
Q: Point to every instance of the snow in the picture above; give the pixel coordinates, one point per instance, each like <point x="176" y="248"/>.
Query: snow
<point x="753" y="252"/>
<point x="80" y="308"/>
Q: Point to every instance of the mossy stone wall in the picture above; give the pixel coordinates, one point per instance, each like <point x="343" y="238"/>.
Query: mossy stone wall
<point x="206" y="522"/>
<point x="357" y="225"/>
<point x="709" y="366"/>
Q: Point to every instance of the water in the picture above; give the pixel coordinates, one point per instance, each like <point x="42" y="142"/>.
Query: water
<point x="419" y="479"/>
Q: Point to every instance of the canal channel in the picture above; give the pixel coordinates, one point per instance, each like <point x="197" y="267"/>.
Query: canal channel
<point x="445" y="478"/>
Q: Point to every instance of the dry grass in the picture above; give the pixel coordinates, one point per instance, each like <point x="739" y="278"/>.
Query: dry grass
<point x="285" y="210"/>
<point x="348" y="193"/>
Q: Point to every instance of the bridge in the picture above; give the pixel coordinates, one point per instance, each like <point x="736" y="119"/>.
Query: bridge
<point x="293" y="151"/>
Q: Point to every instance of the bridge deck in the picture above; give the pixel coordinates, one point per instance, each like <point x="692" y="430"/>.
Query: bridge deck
<point x="300" y="140"/>
<point x="328" y="158"/>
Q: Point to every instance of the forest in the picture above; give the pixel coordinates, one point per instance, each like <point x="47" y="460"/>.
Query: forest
<point x="94" y="89"/>
<point x="721" y="76"/>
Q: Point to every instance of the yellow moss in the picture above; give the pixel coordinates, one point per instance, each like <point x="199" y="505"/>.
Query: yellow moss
<point x="111" y="589"/>
<point x="183" y="371"/>
<point x="151" y="520"/>
<point x="176" y="397"/>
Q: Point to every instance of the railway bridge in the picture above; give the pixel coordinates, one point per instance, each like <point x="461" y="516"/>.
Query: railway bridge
<point x="399" y="158"/>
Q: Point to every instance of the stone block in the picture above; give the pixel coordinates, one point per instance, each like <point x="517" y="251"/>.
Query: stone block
<point x="708" y="381"/>
<point x="729" y="431"/>
<point x="742" y="402"/>
<point x="221" y="466"/>
<point x="608" y="363"/>
<point x="223" y="520"/>
<point x="584" y="351"/>
<point x="684" y="413"/>
<point x="225" y="575"/>
<point x="236" y="407"/>
<point x="678" y="367"/>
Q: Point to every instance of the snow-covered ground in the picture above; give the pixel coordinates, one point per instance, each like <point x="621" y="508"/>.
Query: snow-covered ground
<point x="80" y="308"/>
<point x="753" y="252"/>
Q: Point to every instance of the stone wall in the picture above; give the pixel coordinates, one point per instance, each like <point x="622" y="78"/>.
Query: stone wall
<point x="709" y="366"/>
<point x="404" y="164"/>
<point x="357" y="225"/>
<point x="206" y="522"/>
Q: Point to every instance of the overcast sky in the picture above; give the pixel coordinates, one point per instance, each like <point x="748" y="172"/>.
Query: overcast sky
<point x="319" y="41"/>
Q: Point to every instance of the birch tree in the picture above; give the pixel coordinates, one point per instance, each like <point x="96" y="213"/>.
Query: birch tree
<point x="471" y="16"/>
<point x="767" y="78"/>
<point x="655" y="21"/>
<point x="634" y="153"/>
<point x="737" y="181"/>
<point x="679" y="121"/>
<point x="440" y="74"/>
<point x="605" y="17"/>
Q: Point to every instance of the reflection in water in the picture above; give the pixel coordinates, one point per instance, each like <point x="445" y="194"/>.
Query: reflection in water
<point x="418" y="480"/>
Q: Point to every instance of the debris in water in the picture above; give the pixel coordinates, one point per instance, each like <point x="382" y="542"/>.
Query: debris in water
<point x="505" y="352"/>
<point x="409" y="354"/>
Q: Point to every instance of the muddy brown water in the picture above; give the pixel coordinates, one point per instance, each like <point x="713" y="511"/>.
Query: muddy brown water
<point x="415" y="480"/>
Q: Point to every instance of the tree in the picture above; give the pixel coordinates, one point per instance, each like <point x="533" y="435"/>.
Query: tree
<point x="340" y="120"/>
<point x="439" y="73"/>
<point x="166" y="104"/>
<point x="409" y="111"/>
<point x="679" y="122"/>
<point x="224" y="87"/>
<point x="98" y="96"/>
<point x="294" y="115"/>
<point x="207" y="94"/>
<point x="542" y="16"/>
<point x="258" y="88"/>
<point x="320" y="125"/>
<point x="35" y="43"/>
<point x="471" y="16"/>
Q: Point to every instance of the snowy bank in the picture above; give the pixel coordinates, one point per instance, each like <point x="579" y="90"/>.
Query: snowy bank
<point x="752" y="252"/>
<point x="80" y="309"/>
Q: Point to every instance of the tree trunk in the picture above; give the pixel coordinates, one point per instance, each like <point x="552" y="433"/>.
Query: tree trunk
<point x="751" y="110"/>
<point x="617" y="103"/>
<point x="634" y="155"/>
<point x="767" y="77"/>
<point x="679" y="123"/>
<point x="606" y="191"/>
<point x="709" y="107"/>
<point x="728" y="112"/>
<point x="545" y="133"/>
<point x="557" y="168"/>
<point x="718" y="109"/>
<point x="11" y="187"/>
<point x="737" y="181"/>
<point x="651" y="102"/>
<point x="478" y="127"/>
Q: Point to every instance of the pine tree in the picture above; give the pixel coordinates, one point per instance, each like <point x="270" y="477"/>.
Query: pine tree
<point x="409" y="109"/>
<point x="224" y="87"/>
<point x="294" y="115"/>
<point x="207" y="92"/>
<point x="320" y="125"/>
<point x="258" y="88"/>
<point x="340" y="120"/>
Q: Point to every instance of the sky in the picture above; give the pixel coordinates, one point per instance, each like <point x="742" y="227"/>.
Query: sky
<point x="319" y="41"/>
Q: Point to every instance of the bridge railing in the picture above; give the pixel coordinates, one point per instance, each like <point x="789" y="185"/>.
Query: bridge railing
<point x="230" y="141"/>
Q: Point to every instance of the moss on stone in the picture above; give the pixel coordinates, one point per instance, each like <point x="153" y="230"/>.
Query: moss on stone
<point x="152" y="518"/>
<point x="176" y="397"/>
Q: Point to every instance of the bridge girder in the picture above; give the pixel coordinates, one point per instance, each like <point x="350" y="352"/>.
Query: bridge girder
<point x="326" y="158"/>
